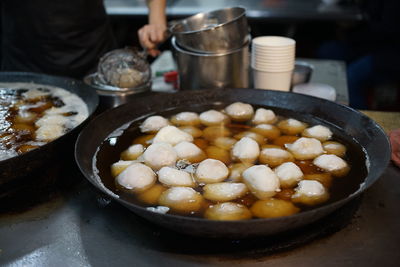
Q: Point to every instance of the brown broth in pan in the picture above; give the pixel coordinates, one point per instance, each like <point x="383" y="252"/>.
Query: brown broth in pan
<point x="341" y="187"/>
<point x="22" y="105"/>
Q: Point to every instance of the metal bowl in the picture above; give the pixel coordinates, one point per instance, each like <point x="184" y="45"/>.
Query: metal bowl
<point x="302" y="72"/>
<point x="217" y="31"/>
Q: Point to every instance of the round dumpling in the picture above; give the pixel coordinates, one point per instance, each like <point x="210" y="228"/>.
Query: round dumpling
<point x="261" y="181"/>
<point x="269" y="131"/>
<point x="172" y="135"/>
<point x="159" y="155"/>
<point x="275" y="156"/>
<point x="211" y="171"/>
<point x="211" y="133"/>
<point x="151" y="195"/>
<point x="49" y="132"/>
<point x="213" y="117"/>
<point x="173" y="177"/>
<point x="246" y="150"/>
<point x="336" y="148"/>
<point x="133" y="152"/>
<point x="332" y="164"/>
<point x="255" y="136"/>
<point x="144" y="140"/>
<point x="324" y="178"/>
<point x="319" y="132"/>
<point x="289" y="174"/>
<point x="183" y="200"/>
<point x="272" y="208"/>
<point x="153" y="123"/>
<point x="185" y="119"/>
<point x="283" y="140"/>
<point x="136" y="177"/>
<point x="189" y="151"/>
<point x="291" y="126"/>
<point x="310" y="192"/>
<point x="221" y="192"/>
<point x="119" y="166"/>
<point x="227" y="211"/>
<point x="224" y="142"/>
<point x="264" y="116"/>
<point x="218" y="153"/>
<point x="239" y="111"/>
<point x="193" y="131"/>
<point x="236" y="170"/>
<point x="305" y="148"/>
<point x="51" y="119"/>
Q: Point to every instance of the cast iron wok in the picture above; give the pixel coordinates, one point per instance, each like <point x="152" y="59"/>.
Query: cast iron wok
<point x="19" y="168"/>
<point x="351" y="126"/>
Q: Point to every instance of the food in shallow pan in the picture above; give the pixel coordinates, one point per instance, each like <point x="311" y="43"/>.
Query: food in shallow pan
<point x="237" y="163"/>
<point x="32" y="115"/>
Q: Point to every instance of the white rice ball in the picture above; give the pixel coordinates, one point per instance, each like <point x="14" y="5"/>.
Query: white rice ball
<point x="153" y="124"/>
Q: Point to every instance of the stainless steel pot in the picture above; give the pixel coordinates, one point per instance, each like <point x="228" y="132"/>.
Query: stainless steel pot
<point x="218" y="70"/>
<point x="217" y="31"/>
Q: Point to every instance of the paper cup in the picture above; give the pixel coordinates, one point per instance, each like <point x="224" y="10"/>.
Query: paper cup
<point x="270" y="50"/>
<point x="273" y="61"/>
<point x="272" y="80"/>
<point x="272" y="56"/>
<point x="273" y="41"/>
<point x="273" y="67"/>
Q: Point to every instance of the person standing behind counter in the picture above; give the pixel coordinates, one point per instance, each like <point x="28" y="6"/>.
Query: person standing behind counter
<point x="66" y="38"/>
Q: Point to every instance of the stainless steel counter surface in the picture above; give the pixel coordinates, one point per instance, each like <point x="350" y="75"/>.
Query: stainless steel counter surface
<point x="333" y="73"/>
<point x="75" y="229"/>
<point x="287" y="10"/>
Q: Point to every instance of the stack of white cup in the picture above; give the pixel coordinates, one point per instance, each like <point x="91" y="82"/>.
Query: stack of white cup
<point x="272" y="62"/>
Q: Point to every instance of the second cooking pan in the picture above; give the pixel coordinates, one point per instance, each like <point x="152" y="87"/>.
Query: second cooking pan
<point x="21" y="169"/>
<point x="370" y="146"/>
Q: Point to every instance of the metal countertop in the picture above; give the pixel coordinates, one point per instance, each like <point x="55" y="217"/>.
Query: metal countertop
<point x="75" y="230"/>
<point x="331" y="72"/>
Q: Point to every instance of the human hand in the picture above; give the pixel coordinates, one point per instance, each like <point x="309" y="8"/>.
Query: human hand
<point x="395" y="142"/>
<point x="150" y="36"/>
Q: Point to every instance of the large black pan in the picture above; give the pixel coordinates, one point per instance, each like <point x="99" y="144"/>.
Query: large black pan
<point x="350" y="126"/>
<point x="17" y="169"/>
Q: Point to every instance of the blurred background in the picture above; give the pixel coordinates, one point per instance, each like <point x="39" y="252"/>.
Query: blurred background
<point x="363" y="33"/>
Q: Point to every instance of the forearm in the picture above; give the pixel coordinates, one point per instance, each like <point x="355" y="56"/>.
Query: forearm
<point x="157" y="11"/>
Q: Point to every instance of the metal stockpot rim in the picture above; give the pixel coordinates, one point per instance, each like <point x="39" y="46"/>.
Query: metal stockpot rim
<point x="171" y="29"/>
<point x="178" y="48"/>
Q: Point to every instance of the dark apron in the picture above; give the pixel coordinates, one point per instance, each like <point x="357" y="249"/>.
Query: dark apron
<point x="60" y="37"/>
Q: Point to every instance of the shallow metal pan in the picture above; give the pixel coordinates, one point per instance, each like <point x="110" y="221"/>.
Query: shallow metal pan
<point x="17" y="169"/>
<point x="350" y="125"/>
